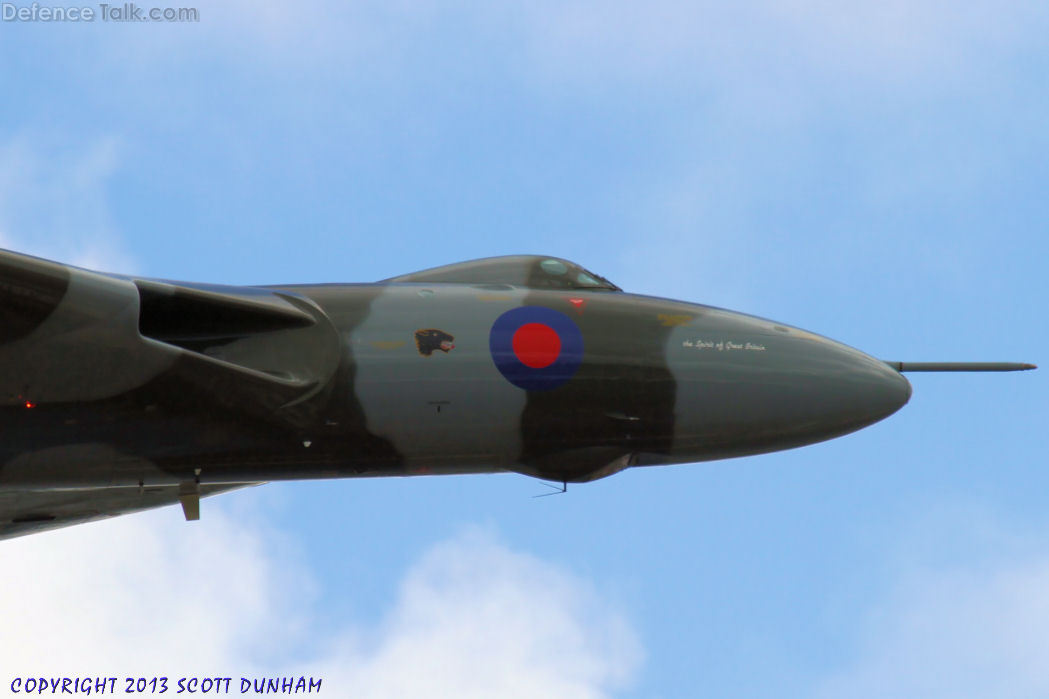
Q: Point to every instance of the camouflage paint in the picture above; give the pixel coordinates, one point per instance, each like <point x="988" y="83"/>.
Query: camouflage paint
<point x="139" y="386"/>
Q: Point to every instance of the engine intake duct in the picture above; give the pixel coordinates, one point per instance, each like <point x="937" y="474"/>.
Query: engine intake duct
<point x="198" y="318"/>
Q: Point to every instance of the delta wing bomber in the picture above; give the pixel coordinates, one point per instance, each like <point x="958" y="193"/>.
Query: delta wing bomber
<point x="123" y="393"/>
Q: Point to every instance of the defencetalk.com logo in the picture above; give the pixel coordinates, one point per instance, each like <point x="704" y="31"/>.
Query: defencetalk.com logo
<point x="105" y="12"/>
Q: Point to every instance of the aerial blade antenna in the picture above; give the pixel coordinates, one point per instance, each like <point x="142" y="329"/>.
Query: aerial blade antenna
<point x="557" y="491"/>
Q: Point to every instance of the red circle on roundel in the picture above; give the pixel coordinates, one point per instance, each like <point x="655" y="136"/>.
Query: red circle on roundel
<point x="536" y="345"/>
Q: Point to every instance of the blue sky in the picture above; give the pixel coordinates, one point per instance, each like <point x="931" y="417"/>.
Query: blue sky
<point x="874" y="172"/>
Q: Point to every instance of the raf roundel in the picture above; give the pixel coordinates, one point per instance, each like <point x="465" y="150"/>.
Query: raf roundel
<point x="536" y="348"/>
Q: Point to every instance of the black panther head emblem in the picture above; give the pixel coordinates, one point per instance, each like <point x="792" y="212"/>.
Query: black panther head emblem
<point x="430" y="340"/>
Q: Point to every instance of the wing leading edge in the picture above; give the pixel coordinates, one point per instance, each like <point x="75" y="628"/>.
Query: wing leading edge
<point x="30" y="511"/>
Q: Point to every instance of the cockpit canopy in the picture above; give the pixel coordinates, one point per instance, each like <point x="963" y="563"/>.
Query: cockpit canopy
<point x="529" y="271"/>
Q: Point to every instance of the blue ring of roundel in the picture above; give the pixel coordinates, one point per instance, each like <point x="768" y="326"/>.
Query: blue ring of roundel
<point x="501" y="345"/>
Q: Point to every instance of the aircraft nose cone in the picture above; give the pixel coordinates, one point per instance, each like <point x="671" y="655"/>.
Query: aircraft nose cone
<point x="779" y="391"/>
<point x="832" y="389"/>
<point x="881" y="390"/>
<point x="845" y="388"/>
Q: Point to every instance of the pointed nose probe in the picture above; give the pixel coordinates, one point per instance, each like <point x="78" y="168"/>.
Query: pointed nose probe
<point x="960" y="366"/>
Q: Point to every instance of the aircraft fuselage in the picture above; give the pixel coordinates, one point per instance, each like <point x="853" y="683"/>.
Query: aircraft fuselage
<point x="414" y="378"/>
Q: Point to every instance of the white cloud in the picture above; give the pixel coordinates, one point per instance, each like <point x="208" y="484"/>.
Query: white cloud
<point x="229" y="597"/>
<point x="974" y="630"/>
<point x="54" y="202"/>
<point x="764" y="48"/>
<point x="475" y="619"/>
<point x="758" y="49"/>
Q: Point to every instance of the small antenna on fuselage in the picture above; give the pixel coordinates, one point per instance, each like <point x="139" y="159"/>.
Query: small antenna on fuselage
<point x="557" y="491"/>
